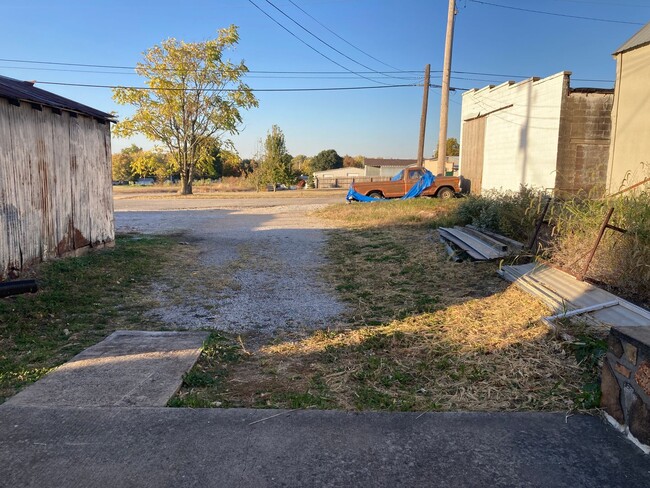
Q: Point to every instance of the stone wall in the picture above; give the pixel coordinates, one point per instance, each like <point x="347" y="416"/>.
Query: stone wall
<point x="625" y="383"/>
<point x="583" y="149"/>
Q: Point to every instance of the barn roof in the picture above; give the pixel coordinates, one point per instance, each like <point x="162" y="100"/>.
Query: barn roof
<point x="25" y="91"/>
<point x="639" y="39"/>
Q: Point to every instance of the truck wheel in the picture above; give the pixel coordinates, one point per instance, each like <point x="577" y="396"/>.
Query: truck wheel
<point x="445" y="192"/>
<point x="375" y="194"/>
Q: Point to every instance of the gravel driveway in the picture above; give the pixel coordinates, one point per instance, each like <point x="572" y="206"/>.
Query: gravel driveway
<point x="255" y="265"/>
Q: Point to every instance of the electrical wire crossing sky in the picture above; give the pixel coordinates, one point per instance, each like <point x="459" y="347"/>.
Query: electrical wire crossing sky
<point x="331" y="74"/>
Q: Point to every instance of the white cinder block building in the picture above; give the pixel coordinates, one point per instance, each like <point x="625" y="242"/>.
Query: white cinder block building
<point x="538" y="132"/>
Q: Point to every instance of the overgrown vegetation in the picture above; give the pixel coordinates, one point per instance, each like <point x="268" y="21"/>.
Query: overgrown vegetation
<point x="80" y="301"/>
<point x="421" y="333"/>
<point x="621" y="261"/>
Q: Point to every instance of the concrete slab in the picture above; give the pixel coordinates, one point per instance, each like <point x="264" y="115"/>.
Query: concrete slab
<point x="128" y="368"/>
<point x="158" y="447"/>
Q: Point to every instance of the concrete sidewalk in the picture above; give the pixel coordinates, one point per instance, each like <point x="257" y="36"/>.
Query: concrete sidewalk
<point x="158" y="447"/>
<point x="128" y="368"/>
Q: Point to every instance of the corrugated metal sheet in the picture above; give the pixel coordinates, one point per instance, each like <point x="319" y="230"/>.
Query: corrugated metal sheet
<point x="562" y="293"/>
<point x="24" y="91"/>
<point x="476" y="244"/>
<point x="637" y="40"/>
<point x="55" y="185"/>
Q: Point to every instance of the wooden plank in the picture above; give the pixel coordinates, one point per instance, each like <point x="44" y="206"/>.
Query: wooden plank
<point x="472" y="149"/>
<point x="453" y="239"/>
<point x="499" y="246"/>
<point x="476" y="244"/>
<point x="511" y="243"/>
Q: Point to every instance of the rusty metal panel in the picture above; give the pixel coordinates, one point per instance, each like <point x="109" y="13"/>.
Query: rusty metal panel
<point x="55" y="185"/>
<point x="472" y="149"/>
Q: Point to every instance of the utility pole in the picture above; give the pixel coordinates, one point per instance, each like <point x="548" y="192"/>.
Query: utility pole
<point x="444" y="99"/>
<point x="423" y="118"/>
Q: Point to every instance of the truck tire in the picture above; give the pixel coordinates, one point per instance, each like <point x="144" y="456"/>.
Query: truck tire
<point x="445" y="192"/>
<point x="375" y="194"/>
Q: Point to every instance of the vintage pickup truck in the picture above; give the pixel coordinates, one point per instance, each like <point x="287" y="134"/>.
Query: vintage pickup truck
<point x="443" y="186"/>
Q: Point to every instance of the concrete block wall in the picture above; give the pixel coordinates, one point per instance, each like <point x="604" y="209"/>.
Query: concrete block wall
<point x="522" y="130"/>
<point x="625" y="383"/>
<point x="583" y="149"/>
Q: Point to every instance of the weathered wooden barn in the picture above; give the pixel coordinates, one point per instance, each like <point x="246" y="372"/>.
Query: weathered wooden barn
<point x="55" y="177"/>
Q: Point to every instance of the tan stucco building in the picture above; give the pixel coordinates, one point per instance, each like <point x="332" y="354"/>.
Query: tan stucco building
<point x="629" y="156"/>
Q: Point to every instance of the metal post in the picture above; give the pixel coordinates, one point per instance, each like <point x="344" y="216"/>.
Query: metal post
<point x="538" y="227"/>
<point x="444" y="99"/>
<point x="423" y="118"/>
<point x="601" y="232"/>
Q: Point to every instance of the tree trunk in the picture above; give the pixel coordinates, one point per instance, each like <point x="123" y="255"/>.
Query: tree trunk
<point x="186" y="183"/>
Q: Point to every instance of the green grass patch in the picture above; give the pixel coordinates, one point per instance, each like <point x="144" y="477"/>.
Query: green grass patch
<point x="80" y="301"/>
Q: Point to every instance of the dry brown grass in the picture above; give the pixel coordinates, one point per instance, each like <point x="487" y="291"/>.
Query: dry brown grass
<point x="391" y="212"/>
<point x="422" y="334"/>
<point x="163" y="191"/>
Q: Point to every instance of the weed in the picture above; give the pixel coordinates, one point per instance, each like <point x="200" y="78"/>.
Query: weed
<point x="80" y="301"/>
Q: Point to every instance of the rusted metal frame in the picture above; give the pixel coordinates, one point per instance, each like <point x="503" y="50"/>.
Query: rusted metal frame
<point x="539" y="224"/>
<point x="631" y="187"/>
<point x="601" y="232"/>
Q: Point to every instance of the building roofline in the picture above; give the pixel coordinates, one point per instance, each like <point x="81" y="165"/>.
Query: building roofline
<point x="639" y="39"/>
<point x="16" y="91"/>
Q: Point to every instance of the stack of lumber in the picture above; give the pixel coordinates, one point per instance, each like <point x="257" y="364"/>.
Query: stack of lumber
<point x="480" y="245"/>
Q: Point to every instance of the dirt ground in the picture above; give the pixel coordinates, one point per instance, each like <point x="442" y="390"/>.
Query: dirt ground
<point x="252" y="264"/>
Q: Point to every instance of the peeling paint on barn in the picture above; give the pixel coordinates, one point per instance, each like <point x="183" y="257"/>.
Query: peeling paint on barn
<point x="55" y="177"/>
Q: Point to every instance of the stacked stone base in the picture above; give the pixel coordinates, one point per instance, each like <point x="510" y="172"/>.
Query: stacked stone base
<point x="626" y="383"/>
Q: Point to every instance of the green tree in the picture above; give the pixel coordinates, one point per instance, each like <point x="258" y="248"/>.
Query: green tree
<point x="324" y="160"/>
<point x="248" y="166"/>
<point x="122" y="162"/>
<point x="151" y="163"/>
<point x="352" y="162"/>
<point x="230" y="163"/>
<point x="187" y="103"/>
<point x="300" y="163"/>
<point x="453" y="148"/>
<point x="275" y="167"/>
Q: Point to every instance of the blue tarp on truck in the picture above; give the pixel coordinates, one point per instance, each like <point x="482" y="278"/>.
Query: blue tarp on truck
<point x="425" y="181"/>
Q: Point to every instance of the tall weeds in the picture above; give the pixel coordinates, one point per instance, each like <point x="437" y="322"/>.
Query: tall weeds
<point x="622" y="261"/>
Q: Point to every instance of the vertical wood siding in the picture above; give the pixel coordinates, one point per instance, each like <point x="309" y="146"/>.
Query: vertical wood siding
<point x="55" y="185"/>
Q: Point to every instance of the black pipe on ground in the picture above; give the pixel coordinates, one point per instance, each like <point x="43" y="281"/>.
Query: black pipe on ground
<point x="17" y="287"/>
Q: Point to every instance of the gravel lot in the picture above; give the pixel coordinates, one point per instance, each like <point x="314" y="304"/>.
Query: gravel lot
<point x="256" y="262"/>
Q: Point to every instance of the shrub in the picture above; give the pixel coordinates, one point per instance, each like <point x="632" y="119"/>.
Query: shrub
<point x="621" y="260"/>
<point x="509" y="213"/>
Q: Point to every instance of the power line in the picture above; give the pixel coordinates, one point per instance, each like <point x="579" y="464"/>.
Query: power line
<point x="316" y="37"/>
<point x="306" y="43"/>
<point x="112" y="66"/>
<point x="554" y="13"/>
<point x="252" y="72"/>
<point x="338" y="88"/>
<point x="341" y="38"/>
<point x="333" y="76"/>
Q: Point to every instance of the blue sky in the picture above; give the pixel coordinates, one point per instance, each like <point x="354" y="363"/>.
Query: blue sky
<point x="406" y="34"/>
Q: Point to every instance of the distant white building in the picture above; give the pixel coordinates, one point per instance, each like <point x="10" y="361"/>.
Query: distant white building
<point x="386" y="167"/>
<point x="340" y="173"/>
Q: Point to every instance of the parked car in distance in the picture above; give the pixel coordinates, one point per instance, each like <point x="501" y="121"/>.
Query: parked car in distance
<point x="144" y="181"/>
<point x="443" y="186"/>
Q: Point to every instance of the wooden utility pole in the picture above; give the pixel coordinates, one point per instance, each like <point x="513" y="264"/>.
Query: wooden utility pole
<point x="423" y="118"/>
<point x="444" y="99"/>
